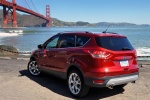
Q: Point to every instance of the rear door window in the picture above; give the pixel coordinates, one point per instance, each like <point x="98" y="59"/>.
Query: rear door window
<point x="114" y="43"/>
<point x="66" y="41"/>
<point x="81" y="41"/>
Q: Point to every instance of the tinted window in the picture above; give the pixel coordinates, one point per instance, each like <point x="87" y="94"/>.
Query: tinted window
<point x="52" y="43"/>
<point x="114" y="43"/>
<point x="66" y="41"/>
<point x="80" y="41"/>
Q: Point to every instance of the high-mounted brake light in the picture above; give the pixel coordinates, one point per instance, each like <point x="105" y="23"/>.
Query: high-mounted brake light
<point x="99" y="54"/>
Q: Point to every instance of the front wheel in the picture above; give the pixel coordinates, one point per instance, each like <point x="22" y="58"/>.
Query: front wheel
<point x="76" y="84"/>
<point x="33" y="68"/>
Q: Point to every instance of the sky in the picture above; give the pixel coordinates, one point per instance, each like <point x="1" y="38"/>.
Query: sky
<point x="93" y="11"/>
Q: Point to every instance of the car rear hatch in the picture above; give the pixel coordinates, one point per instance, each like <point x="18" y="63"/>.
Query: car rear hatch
<point x="121" y="56"/>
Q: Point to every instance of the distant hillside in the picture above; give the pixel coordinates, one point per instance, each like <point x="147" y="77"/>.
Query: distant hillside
<point x="114" y="24"/>
<point x="26" y="20"/>
<point x="32" y="21"/>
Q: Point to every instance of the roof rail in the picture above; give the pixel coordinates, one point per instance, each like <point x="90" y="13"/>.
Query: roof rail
<point x="109" y="33"/>
<point x="88" y="32"/>
<point x="75" y="32"/>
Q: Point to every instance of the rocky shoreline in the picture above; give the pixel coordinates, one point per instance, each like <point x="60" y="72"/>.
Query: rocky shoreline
<point x="6" y="50"/>
<point x="10" y="52"/>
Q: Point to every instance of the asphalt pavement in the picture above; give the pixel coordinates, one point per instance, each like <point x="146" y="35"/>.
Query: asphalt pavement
<point x="17" y="84"/>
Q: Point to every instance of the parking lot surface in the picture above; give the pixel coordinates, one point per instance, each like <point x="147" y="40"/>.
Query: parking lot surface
<point x="17" y="84"/>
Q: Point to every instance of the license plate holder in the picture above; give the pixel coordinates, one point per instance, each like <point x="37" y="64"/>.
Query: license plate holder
<point x="124" y="63"/>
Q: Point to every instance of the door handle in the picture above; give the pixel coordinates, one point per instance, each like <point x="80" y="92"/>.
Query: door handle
<point x="53" y="55"/>
<point x="50" y="54"/>
<point x="68" y="53"/>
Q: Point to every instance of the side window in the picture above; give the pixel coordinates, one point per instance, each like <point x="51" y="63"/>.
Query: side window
<point x="66" y="41"/>
<point x="53" y="42"/>
<point x="80" y="40"/>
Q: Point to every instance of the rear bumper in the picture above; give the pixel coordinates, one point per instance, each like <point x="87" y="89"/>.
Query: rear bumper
<point x="112" y="80"/>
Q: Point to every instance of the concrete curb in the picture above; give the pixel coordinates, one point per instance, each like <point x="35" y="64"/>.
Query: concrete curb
<point x="6" y="58"/>
<point x="9" y="58"/>
<point x="23" y="58"/>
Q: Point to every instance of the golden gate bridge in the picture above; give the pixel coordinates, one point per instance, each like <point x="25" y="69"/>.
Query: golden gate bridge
<point x="10" y="14"/>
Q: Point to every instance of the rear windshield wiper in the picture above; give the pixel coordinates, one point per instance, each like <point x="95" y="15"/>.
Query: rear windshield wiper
<point x="126" y="48"/>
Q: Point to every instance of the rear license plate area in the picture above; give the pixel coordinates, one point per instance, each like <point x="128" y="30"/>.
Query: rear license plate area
<point x="124" y="63"/>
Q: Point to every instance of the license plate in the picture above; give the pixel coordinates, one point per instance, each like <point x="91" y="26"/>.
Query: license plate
<point x="124" y="63"/>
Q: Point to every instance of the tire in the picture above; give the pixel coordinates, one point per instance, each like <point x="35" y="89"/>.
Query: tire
<point x="33" y="68"/>
<point x="76" y="84"/>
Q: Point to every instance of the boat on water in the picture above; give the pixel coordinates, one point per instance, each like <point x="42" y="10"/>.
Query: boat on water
<point x="15" y="31"/>
<point x="10" y="33"/>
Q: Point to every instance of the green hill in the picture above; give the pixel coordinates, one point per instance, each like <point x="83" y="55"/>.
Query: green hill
<point x="32" y="21"/>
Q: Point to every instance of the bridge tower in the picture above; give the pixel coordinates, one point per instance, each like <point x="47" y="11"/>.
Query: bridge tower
<point x="9" y="15"/>
<point x="48" y="23"/>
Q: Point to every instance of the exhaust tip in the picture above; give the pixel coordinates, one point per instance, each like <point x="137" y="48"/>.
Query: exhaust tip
<point x="111" y="87"/>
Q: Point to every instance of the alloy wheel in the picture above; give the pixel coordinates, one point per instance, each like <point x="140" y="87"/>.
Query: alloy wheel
<point x="33" y="69"/>
<point x="74" y="83"/>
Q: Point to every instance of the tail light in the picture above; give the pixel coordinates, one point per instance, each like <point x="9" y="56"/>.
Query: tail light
<point x="99" y="54"/>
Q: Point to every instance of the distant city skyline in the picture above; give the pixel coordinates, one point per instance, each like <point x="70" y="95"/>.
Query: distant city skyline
<point x="93" y="11"/>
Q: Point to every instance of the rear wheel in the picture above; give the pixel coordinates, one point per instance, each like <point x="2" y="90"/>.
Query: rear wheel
<point x="76" y="84"/>
<point x="33" y="68"/>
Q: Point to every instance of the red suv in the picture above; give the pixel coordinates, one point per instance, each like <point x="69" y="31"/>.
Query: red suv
<point x="87" y="59"/>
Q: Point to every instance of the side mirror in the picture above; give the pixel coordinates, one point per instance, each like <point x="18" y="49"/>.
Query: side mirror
<point x="40" y="46"/>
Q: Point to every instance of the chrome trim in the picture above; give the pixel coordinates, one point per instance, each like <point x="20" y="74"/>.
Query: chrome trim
<point x="121" y="80"/>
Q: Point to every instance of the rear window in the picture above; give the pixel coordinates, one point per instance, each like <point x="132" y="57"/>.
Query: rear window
<point x="114" y="43"/>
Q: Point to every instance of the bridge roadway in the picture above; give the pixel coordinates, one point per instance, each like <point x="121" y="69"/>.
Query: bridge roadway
<point x="22" y="9"/>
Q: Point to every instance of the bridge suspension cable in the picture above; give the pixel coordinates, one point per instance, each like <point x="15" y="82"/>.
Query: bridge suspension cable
<point x="28" y="5"/>
<point x="10" y="12"/>
<point x="34" y="6"/>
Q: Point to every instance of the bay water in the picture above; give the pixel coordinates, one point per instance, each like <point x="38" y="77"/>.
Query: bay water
<point x="31" y="37"/>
